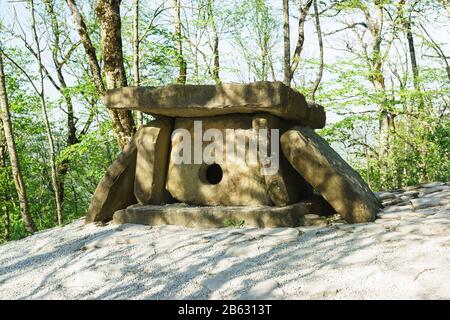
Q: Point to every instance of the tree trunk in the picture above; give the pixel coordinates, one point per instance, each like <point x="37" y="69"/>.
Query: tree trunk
<point x="181" y="62"/>
<point x="303" y="12"/>
<point x="264" y="55"/>
<point x="56" y="47"/>
<point x="5" y="189"/>
<point x="54" y="174"/>
<point x="72" y="139"/>
<point x="416" y="82"/>
<point x="122" y="121"/>
<point x="88" y="47"/>
<point x="412" y="55"/>
<point x="216" y="63"/>
<point x="406" y="22"/>
<point x="367" y="158"/>
<point x="15" y="163"/>
<point x="386" y="120"/>
<point x="108" y="11"/>
<point x="320" y="40"/>
<point x="136" y="43"/>
<point x="287" y="44"/>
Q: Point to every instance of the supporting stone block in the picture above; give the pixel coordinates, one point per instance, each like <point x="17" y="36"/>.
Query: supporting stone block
<point x="284" y="186"/>
<point x="153" y="148"/>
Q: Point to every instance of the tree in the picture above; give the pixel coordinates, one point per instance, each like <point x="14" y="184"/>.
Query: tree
<point x="291" y="66"/>
<point x="320" y="41"/>
<point x="182" y="66"/>
<point x="4" y="185"/>
<point x="109" y="15"/>
<point x="373" y="12"/>
<point x="202" y="32"/>
<point x="15" y="162"/>
<point x="406" y="20"/>
<point x="287" y="44"/>
<point x="136" y="53"/>
<point x="60" y="58"/>
<point x="437" y="48"/>
<point x="215" y="45"/>
<point x="108" y="11"/>
<point x="255" y="35"/>
<point x="41" y="92"/>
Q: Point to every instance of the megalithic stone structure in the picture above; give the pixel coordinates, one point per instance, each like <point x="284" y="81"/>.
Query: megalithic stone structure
<point x="272" y="184"/>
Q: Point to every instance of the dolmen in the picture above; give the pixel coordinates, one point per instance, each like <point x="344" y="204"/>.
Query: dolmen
<point x="218" y="155"/>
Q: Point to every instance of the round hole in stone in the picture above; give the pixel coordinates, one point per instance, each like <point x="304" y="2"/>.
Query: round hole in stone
<point x="214" y="174"/>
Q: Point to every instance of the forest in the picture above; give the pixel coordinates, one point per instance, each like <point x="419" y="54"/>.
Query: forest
<point x="381" y="69"/>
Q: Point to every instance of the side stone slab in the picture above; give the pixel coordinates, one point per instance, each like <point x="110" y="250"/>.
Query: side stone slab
<point x="323" y="168"/>
<point x="210" y="100"/>
<point x="115" y="190"/>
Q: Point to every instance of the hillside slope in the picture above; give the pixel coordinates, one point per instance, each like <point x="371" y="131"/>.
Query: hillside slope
<point x="404" y="254"/>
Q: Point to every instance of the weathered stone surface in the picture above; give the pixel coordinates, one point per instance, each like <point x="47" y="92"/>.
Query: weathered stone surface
<point x="211" y="100"/>
<point x="212" y="216"/>
<point x="153" y="147"/>
<point x="309" y="220"/>
<point x="427" y="202"/>
<point x="391" y="202"/>
<point x="285" y="186"/>
<point x="241" y="183"/>
<point x="330" y="175"/>
<point x="411" y="193"/>
<point x="382" y="196"/>
<point x="115" y="190"/>
<point x="433" y="189"/>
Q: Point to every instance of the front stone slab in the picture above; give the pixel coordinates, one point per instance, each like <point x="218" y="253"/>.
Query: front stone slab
<point x="238" y="182"/>
<point x="323" y="168"/>
<point x="211" y="100"/>
<point x="153" y="146"/>
<point x="213" y="216"/>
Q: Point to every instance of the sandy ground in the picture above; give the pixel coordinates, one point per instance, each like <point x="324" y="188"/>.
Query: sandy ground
<point x="405" y="254"/>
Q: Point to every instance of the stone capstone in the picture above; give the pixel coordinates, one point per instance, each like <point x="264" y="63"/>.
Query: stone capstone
<point x="211" y="100"/>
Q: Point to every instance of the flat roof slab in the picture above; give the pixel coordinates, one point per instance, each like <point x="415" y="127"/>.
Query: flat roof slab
<point x="210" y="100"/>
